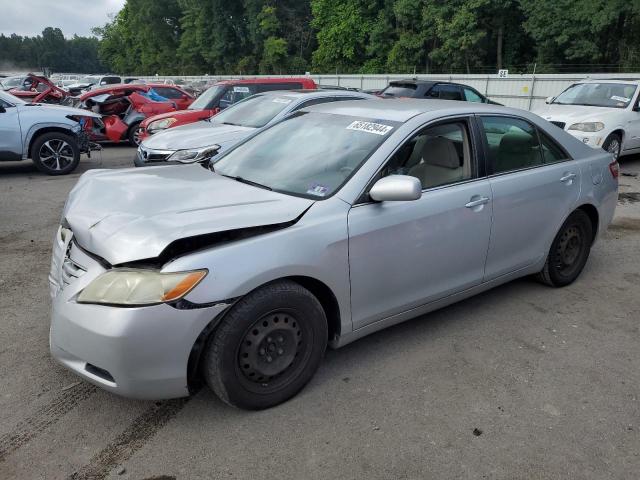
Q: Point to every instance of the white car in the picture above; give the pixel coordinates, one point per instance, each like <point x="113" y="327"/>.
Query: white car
<point x="601" y="113"/>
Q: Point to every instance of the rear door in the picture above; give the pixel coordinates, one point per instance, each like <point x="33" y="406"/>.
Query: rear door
<point x="10" y="132"/>
<point x="535" y="185"/>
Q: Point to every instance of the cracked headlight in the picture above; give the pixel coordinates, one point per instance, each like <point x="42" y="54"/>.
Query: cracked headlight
<point x="131" y="287"/>
<point x="587" y="126"/>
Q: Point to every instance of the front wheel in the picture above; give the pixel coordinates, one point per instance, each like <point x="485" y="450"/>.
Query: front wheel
<point x="569" y="251"/>
<point x="55" y="153"/>
<point x="613" y="145"/>
<point x="267" y="347"/>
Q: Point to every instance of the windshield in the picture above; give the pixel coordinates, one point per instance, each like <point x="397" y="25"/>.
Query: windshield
<point x="310" y="154"/>
<point x="254" y="112"/>
<point x="400" y="90"/>
<point x="12" y="82"/>
<point x="7" y="97"/>
<point x="612" y="95"/>
<point x="205" y="100"/>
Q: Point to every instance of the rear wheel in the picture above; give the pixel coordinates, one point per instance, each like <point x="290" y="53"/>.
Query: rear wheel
<point x="569" y="251"/>
<point x="134" y="135"/>
<point x="55" y="153"/>
<point x="613" y="145"/>
<point x="267" y="347"/>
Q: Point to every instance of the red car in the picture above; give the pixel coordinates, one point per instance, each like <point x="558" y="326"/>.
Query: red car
<point x="38" y="89"/>
<point x="220" y="96"/>
<point x="123" y="107"/>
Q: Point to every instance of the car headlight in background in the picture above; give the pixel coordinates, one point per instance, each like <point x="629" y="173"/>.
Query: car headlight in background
<point x="587" y="126"/>
<point x="130" y="287"/>
<point x="161" y="124"/>
<point x="194" y="154"/>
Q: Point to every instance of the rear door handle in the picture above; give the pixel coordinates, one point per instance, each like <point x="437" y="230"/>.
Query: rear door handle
<point x="568" y="176"/>
<point x="477" y="203"/>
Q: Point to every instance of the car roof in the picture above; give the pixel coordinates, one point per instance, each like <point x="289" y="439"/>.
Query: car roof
<point x="632" y="81"/>
<point x="309" y="93"/>
<point x="401" y="110"/>
<point x="264" y="80"/>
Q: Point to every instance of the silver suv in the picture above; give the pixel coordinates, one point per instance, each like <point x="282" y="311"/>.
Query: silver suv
<point x="54" y="137"/>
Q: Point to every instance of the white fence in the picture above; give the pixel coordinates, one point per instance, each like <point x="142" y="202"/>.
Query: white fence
<point x="518" y="91"/>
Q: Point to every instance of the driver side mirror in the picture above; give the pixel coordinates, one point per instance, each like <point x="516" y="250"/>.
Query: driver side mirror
<point x="396" y="188"/>
<point x="549" y="100"/>
<point x="2" y="109"/>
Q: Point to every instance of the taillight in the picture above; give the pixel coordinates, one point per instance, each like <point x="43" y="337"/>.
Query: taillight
<point x="614" y="168"/>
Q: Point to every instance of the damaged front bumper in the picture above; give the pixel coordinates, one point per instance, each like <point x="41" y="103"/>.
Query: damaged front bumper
<point x="140" y="352"/>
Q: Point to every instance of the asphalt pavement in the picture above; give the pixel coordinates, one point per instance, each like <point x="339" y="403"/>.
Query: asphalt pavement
<point x="521" y="382"/>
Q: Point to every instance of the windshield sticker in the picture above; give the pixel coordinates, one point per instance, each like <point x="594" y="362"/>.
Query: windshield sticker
<point x="281" y="100"/>
<point x="318" y="190"/>
<point x="620" y="99"/>
<point x="369" y="127"/>
<point x="241" y="89"/>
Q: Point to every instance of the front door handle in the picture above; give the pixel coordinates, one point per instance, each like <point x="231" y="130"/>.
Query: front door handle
<point x="568" y="177"/>
<point x="477" y="203"/>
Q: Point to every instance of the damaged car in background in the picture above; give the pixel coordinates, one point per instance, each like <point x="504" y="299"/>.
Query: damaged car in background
<point x="338" y="221"/>
<point x="202" y="140"/>
<point x="54" y="137"/>
<point x="124" y="107"/>
<point x="38" y="89"/>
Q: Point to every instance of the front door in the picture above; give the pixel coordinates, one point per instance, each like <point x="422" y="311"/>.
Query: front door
<point x="10" y="133"/>
<point x="406" y="254"/>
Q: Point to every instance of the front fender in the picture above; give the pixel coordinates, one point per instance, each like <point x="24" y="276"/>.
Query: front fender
<point x="71" y="128"/>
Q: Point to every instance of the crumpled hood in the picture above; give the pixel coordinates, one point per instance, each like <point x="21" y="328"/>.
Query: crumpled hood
<point x="570" y="114"/>
<point x="134" y="214"/>
<point x="59" y="108"/>
<point x="197" y="135"/>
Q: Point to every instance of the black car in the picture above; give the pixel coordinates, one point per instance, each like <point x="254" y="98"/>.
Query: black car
<point x="434" y="89"/>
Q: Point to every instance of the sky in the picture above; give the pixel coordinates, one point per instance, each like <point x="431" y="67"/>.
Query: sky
<point x="30" y="17"/>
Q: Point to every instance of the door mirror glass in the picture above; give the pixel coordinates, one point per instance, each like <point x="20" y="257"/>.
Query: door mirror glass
<point x="396" y="188"/>
<point x="2" y="109"/>
<point x="549" y="100"/>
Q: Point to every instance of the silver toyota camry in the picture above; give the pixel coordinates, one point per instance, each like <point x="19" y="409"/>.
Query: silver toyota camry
<point x="338" y="221"/>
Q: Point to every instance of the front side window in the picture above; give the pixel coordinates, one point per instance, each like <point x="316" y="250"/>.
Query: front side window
<point x="612" y="95"/>
<point x="472" y="96"/>
<point x="254" y="112"/>
<point x="439" y="155"/>
<point x="513" y="144"/>
<point x="167" y="92"/>
<point x="310" y="154"/>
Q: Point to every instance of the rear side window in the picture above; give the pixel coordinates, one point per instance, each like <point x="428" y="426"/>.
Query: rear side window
<point x="271" y="87"/>
<point x="551" y="152"/>
<point x="513" y="144"/>
<point x="167" y="92"/>
<point x="445" y="92"/>
<point x="400" y="90"/>
<point x="110" y="80"/>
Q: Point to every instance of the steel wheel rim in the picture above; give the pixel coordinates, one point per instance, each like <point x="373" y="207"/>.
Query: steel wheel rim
<point x="56" y="154"/>
<point x="614" y="148"/>
<point x="569" y="250"/>
<point x="254" y="371"/>
<point x="136" y="136"/>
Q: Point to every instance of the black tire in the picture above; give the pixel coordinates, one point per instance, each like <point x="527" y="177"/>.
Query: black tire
<point x="613" y="145"/>
<point x="55" y="153"/>
<point x="267" y="347"/>
<point x="132" y="134"/>
<point x="569" y="251"/>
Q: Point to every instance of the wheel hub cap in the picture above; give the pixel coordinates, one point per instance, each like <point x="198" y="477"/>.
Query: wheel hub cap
<point x="270" y="347"/>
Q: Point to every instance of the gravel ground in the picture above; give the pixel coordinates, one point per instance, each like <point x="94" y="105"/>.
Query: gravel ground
<point x="521" y="382"/>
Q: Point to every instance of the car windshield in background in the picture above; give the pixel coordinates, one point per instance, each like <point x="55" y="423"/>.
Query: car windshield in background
<point x="12" y="82"/>
<point x="89" y="80"/>
<point x="253" y="112"/>
<point x="204" y="100"/>
<point x="309" y="154"/>
<point x="400" y="90"/>
<point x="612" y="95"/>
